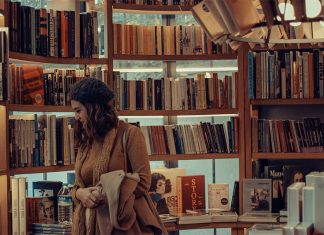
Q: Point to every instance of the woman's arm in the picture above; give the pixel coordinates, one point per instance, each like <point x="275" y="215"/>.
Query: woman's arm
<point x="138" y="158"/>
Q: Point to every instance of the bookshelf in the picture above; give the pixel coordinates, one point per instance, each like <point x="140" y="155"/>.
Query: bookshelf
<point x="148" y="9"/>
<point x="16" y="57"/>
<point x="285" y="109"/>
<point x="176" y="57"/>
<point x="6" y="108"/>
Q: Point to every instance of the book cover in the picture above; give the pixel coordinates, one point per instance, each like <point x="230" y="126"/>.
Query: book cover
<point x="257" y="195"/>
<point x="191" y="193"/>
<point x="276" y="174"/>
<point x="218" y="196"/>
<point x="163" y="190"/>
<point x="293" y="174"/>
<point x="33" y="84"/>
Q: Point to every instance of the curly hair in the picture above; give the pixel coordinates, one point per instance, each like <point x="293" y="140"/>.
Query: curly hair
<point x="155" y="177"/>
<point x="102" y="117"/>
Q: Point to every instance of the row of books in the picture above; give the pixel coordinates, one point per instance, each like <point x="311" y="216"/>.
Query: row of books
<point x="30" y="84"/>
<point x="176" y="93"/>
<point x="3" y="65"/>
<point x="293" y="74"/>
<point x="160" y="2"/>
<point x="192" y="139"/>
<point x="287" y="135"/>
<point x="50" y="32"/>
<point x="42" y="140"/>
<point x="164" y="40"/>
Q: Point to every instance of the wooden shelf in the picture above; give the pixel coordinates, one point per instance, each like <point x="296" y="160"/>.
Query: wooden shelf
<point x="28" y="58"/>
<point x="149" y="9"/>
<point x="177" y="227"/>
<point x="3" y="172"/>
<point x="279" y="156"/>
<point x="260" y="102"/>
<point x="193" y="156"/>
<point x="176" y="112"/>
<point x="3" y="103"/>
<point x="38" y="108"/>
<point x="40" y="169"/>
<point x="176" y="57"/>
<point x="53" y="108"/>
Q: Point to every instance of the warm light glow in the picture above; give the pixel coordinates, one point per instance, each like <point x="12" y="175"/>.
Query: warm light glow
<point x="313" y="8"/>
<point x="295" y="24"/>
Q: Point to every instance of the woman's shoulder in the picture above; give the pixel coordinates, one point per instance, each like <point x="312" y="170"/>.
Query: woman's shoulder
<point x="126" y="126"/>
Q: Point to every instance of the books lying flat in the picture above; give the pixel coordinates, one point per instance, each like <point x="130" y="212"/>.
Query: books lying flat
<point x="167" y="218"/>
<point x="259" y="217"/>
<point x="265" y="229"/>
<point x="219" y="215"/>
<point x="194" y="218"/>
<point x="53" y="229"/>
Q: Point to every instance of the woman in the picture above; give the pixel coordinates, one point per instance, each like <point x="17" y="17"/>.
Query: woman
<point x="101" y="138"/>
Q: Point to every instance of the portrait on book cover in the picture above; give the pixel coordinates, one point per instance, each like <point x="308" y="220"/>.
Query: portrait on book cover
<point x="260" y="199"/>
<point x="160" y="186"/>
<point x="46" y="210"/>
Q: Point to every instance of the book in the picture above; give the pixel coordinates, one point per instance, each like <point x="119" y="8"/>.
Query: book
<point x="276" y="174"/>
<point x="259" y="217"/>
<point x="194" y="217"/>
<point x="265" y="229"/>
<point x="191" y="193"/>
<point x="163" y="190"/>
<point x="218" y="196"/>
<point x="257" y="195"/>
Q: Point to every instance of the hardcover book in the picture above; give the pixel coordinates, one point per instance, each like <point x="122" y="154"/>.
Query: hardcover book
<point x="163" y="190"/>
<point x="276" y="174"/>
<point x="33" y="84"/>
<point x="191" y="193"/>
<point x="257" y="195"/>
<point x="218" y="196"/>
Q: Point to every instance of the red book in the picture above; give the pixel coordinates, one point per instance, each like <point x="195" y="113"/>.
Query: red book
<point x="33" y="85"/>
<point x="191" y="193"/>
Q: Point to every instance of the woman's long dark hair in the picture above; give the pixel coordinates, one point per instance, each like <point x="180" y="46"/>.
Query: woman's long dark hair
<point x="101" y="119"/>
<point x="97" y="99"/>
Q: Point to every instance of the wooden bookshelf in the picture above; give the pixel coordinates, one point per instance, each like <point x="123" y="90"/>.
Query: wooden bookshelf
<point x="176" y="227"/>
<point x="176" y="112"/>
<point x="193" y="156"/>
<point x="17" y="57"/>
<point x="149" y="9"/>
<point x="39" y="108"/>
<point x="40" y="169"/>
<point x="261" y="102"/>
<point x="3" y="172"/>
<point x="279" y="156"/>
<point x="57" y="108"/>
<point x="3" y="103"/>
<point x="176" y="57"/>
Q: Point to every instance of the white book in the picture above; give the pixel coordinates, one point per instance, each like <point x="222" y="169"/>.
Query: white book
<point x="265" y="229"/>
<point x="293" y="198"/>
<point x="15" y="205"/>
<point x="22" y="205"/>
<point x="319" y="205"/>
<point x="289" y="229"/>
<point x="218" y="196"/>
<point x="304" y="228"/>
<point x="308" y="204"/>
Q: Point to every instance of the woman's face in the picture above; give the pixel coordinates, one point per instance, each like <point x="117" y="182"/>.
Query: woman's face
<point x="160" y="186"/>
<point x="80" y="112"/>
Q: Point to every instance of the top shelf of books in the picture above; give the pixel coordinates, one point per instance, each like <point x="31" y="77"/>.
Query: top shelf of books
<point x="149" y="9"/>
<point x="264" y="102"/>
<point x="23" y="58"/>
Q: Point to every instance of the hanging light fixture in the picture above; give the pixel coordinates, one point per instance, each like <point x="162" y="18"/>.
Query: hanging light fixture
<point x="262" y="21"/>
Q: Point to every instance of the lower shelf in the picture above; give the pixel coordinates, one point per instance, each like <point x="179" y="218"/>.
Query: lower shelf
<point x="193" y="156"/>
<point x="288" y="155"/>
<point x="40" y="169"/>
<point x="177" y="227"/>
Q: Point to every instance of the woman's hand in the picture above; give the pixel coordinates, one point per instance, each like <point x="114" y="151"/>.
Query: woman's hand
<point x="87" y="198"/>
